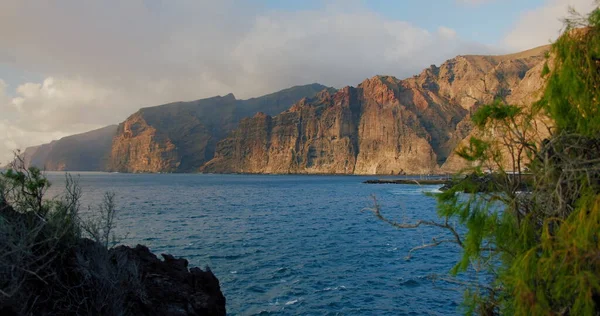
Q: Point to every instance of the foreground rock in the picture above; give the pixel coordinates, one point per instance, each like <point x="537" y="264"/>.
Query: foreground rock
<point x="170" y="287"/>
<point x="44" y="270"/>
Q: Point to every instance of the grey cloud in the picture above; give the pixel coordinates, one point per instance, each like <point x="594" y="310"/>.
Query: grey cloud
<point x="105" y="59"/>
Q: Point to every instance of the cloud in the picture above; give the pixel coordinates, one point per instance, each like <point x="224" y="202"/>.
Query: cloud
<point x="447" y="32"/>
<point x="337" y="48"/>
<point x="542" y="25"/>
<point x="103" y="60"/>
<point x="192" y="49"/>
<point x="12" y="136"/>
<point x="41" y="112"/>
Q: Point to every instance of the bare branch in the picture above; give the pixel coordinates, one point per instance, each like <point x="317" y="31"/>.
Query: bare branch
<point x="433" y="244"/>
<point x="376" y="209"/>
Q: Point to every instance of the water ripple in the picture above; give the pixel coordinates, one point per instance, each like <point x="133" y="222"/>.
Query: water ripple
<point x="284" y="245"/>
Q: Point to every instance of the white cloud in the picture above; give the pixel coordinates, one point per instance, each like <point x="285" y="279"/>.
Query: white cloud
<point x="41" y="112"/>
<point x="337" y="48"/>
<point x="542" y="25"/>
<point x="447" y="32"/>
<point x="104" y="60"/>
<point x="12" y="138"/>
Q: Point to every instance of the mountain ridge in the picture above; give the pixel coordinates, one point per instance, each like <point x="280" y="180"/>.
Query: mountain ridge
<point x="108" y="159"/>
<point x="384" y="125"/>
<point x="80" y="152"/>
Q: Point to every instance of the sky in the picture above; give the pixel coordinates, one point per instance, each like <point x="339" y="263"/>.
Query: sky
<point x="70" y="66"/>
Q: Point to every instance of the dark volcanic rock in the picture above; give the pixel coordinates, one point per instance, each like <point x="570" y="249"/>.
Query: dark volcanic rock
<point x="44" y="271"/>
<point x="171" y="288"/>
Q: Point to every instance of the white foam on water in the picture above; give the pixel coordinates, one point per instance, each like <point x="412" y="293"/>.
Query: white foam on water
<point x="416" y="190"/>
<point x="341" y="287"/>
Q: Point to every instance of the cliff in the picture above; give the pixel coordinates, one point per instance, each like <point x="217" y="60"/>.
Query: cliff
<point x="81" y="152"/>
<point x="523" y="93"/>
<point x="384" y="125"/>
<point x="175" y="137"/>
<point x="182" y="136"/>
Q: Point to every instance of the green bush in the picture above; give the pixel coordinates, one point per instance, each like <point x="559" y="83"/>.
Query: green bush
<point x="541" y="246"/>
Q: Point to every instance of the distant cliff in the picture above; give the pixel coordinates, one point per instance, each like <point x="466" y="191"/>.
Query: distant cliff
<point x="182" y="136"/>
<point x="82" y="152"/>
<point x="175" y="137"/>
<point x="384" y="125"/>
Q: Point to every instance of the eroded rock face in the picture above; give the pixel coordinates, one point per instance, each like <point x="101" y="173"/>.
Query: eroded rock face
<point x="523" y="93"/>
<point x="314" y="136"/>
<point x="161" y="140"/>
<point x="384" y="125"/>
<point x="182" y="136"/>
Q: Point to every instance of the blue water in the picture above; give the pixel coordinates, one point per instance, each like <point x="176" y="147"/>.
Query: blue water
<point x="289" y="244"/>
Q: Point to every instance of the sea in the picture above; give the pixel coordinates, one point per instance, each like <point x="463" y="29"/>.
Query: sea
<point x="289" y="244"/>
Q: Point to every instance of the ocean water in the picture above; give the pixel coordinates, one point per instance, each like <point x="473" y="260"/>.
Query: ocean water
<point x="289" y="245"/>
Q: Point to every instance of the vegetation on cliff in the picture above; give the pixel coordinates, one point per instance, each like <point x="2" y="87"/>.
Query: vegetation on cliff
<point x="539" y="247"/>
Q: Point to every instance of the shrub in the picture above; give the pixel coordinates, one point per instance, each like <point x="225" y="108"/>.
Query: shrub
<point x="44" y="259"/>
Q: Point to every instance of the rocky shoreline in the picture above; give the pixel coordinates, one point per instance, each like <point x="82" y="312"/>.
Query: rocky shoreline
<point x="478" y="183"/>
<point x="409" y="181"/>
<point x="82" y="276"/>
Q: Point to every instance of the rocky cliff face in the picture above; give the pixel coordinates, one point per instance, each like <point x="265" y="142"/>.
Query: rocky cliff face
<point x="182" y="136"/>
<point x="384" y="125"/>
<point x="522" y="93"/>
<point x="317" y="135"/>
<point x="81" y="152"/>
<point x="175" y="137"/>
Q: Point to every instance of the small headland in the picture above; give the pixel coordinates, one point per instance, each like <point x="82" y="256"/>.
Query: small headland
<point x="409" y="181"/>
<point x="470" y="183"/>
